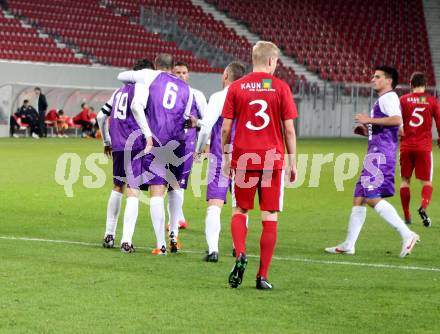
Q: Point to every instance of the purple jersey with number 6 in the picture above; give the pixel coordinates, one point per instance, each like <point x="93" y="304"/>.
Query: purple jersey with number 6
<point x="123" y="127"/>
<point x="166" y="108"/>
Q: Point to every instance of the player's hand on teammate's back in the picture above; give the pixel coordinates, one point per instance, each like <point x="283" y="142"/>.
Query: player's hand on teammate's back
<point x="362" y="118"/>
<point x="108" y="151"/>
<point x="149" y="145"/>
<point x="191" y="122"/>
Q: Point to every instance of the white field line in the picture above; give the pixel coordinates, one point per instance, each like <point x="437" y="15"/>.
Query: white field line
<point x="294" y="259"/>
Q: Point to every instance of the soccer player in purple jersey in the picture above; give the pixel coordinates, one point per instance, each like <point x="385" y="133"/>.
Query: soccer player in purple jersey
<point x="377" y="178"/>
<point x="127" y="137"/>
<point x="169" y="105"/>
<point x="211" y="126"/>
<point x="176" y="196"/>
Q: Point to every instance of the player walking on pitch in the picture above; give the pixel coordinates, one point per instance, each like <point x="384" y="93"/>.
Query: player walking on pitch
<point x="418" y="110"/>
<point x="219" y="184"/>
<point x="263" y="108"/>
<point x="377" y="178"/>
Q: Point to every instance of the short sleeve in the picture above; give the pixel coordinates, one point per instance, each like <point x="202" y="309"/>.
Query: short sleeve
<point x="390" y="105"/>
<point x="289" y="110"/>
<point x="229" y="107"/>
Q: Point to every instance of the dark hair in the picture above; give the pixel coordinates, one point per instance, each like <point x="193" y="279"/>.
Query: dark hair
<point x="235" y="70"/>
<point x="142" y="63"/>
<point x="164" y="60"/>
<point x="181" y="63"/>
<point x="25" y="101"/>
<point x="390" y="73"/>
<point x="60" y="112"/>
<point x="83" y="104"/>
<point x="37" y="88"/>
<point x="418" y="79"/>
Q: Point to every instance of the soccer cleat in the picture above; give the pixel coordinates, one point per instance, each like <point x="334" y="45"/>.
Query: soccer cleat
<point x="340" y="249"/>
<point x="174" y="243"/>
<point x="409" y="243"/>
<point x="212" y="257"/>
<point x="159" y="251"/>
<point x="183" y="224"/>
<point x="263" y="284"/>
<point x="236" y="275"/>
<point x="408" y="221"/>
<point x="127" y="248"/>
<point x="426" y="220"/>
<point x="233" y="253"/>
<point x="109" y="241"/>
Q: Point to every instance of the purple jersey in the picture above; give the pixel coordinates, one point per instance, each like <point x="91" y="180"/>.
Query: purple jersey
<point x="169" y="102"/>
<point x="124" y="131"/>
<point x="377" y="177"/>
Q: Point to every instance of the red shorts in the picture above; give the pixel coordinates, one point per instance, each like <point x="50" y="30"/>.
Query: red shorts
<point x="270" y="185"/>
<point x="421" y="161"/>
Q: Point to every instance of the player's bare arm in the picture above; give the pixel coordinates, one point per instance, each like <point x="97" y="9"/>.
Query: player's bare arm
<point x="290" y="140"/>
<point x="226" y="144"/>
<point x="385" y="121"/>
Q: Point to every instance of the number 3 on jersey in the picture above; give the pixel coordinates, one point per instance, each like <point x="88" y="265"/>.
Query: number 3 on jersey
<point x="121" y="106"/>
<point x="419" y="117"/>
<point x="261" y="113"/>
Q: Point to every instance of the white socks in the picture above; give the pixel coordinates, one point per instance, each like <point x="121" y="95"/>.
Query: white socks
<point x="113" y="209"/>
<point x="130" y="218"/>
<point x="389" y="213"/>
<point x="212" y="227"/>
<point x="157" y="212"/>
<point x="175" y="209"/>
<point x="357" y="220"/>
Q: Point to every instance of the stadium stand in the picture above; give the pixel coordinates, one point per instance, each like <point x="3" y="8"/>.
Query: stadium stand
<point x="195" y="21"/>
<point x="111" y="39"/>
<point x="23" y="43"/>
<point x="342" y="40"/>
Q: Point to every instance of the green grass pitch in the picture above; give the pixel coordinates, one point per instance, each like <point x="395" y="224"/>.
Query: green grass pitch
<point x="57" y="287"/>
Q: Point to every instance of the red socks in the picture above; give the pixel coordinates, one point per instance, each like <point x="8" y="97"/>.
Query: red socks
<point x="267" y="245"/>
<point x="239" y="233"/>
<point x="405" y="196"/>
<point x="426" y="196"/>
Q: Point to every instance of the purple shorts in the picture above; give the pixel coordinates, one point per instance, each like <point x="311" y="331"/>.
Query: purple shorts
<point x="162" y="167"/>
<point x="219" y="184"/>
<point x="376" y="183"/>
<point x="129" y="171"/>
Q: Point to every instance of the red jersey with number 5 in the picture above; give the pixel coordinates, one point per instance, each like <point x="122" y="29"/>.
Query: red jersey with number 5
<point x="259" y="103"/>
<point x="418" y="110"/>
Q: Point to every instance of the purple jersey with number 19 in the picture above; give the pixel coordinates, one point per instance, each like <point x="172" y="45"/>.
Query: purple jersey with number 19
<point x="124" y="130"/>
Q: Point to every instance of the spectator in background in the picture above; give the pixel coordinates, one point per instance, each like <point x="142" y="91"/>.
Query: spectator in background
<point x="26" y="114"/>
<point x="42" y="107"/>
<point x="87" y="120"/>
<point x="56" y="119"/>
<point x="4" y="4"/>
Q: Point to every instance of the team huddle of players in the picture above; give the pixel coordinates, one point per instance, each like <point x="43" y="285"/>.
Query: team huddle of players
<point x="150" y="126"/>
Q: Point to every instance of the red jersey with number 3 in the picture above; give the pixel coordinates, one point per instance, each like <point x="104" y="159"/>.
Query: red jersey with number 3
<point x="418" y="110"/>
<point x="259" y="103"/>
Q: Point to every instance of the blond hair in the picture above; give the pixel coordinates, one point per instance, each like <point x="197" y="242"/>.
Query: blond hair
<point x="262" y="51"/>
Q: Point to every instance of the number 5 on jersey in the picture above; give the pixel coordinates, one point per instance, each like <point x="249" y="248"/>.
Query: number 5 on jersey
<point x="261" y="113"/>
<point x="419" y="117"/>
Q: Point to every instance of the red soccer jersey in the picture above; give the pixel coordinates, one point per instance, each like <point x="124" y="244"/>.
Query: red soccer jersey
<point x="259" y="103"/>
<point x="418" y="110"/>
<point x="52" y="115"/>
